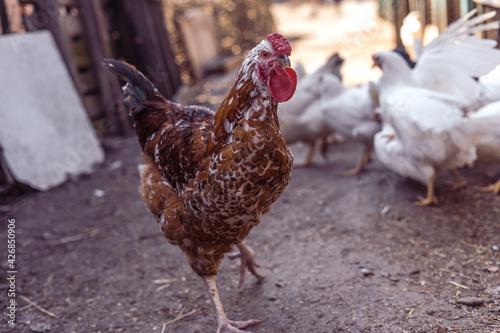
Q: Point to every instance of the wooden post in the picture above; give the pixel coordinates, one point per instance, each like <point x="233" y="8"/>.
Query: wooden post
<point x="4" y="18"/>
<point x="485" y="6"/>
<point x="46" y="16"/>
<point x="153" y="46"/>
<point x="6" y="178"/>
<point x="110" y="92"/>
<point x="400" y="11"/>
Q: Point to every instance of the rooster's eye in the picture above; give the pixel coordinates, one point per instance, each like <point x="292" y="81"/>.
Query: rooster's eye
<point x="265" y="54"/>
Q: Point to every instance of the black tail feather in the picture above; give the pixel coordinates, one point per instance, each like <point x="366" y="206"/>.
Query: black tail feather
<point x="138" y="89"/>
<point x="148" y="108"/>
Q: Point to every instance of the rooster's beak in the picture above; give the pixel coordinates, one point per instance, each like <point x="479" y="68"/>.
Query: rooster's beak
<point x="284" y="62"/>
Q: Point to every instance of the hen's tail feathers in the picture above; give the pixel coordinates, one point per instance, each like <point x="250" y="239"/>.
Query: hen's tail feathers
<point x="138" y="88"/>
<point x="485" y="123"/>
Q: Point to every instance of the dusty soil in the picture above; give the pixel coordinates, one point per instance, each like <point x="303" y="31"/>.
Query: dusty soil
<point x="339" y="255"/>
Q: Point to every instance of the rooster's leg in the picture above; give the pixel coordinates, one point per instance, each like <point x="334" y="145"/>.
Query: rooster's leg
<point x="460" y="184"/>
<point x="362" y="162"/>
<point x="323" y="147"/>
<point x="336" y="139"/>
<point x="431" y="198"/>
<point x="224" y="325"/>
<point x="309" y="157"/>
<point x="493" y="187"/>
<point x="247" y="256"/>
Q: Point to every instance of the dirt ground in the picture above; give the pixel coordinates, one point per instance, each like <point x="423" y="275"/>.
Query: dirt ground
<point x="339" y="255"/>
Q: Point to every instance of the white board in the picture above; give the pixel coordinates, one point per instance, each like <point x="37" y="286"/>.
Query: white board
<point x="45" y="133"/>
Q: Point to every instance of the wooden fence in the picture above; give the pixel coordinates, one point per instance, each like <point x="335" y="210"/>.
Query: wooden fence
<point x="438" y="12"/>
<point x="87" y="31"/>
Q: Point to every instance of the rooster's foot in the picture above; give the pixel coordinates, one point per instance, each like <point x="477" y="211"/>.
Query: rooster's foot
<point x="309" y="158"/>
<point x="336" y="139"/>
<point x="460" y="184"/>
<point x="493" y="187"/>
<point x="352" y="172"/>
<point x="426" y="201"/>
<point x="234" y="326"/>
<point x="456" y="187"/>
<point x="304" y="164"/>
<point x="431" y="198"/>
<point x="362" y="162"/>
<point x="224" y="325"/>
<point x="247" y="257"/>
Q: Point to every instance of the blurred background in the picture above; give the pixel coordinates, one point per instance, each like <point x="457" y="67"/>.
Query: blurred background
<point x="190" y="49"/>
<point x="341" y="254"/>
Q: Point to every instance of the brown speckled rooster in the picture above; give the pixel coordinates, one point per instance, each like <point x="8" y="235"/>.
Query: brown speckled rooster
<point x="208" y="177"/>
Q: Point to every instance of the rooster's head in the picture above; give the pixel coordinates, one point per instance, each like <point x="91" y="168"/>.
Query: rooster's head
<point x="272" y="67"/>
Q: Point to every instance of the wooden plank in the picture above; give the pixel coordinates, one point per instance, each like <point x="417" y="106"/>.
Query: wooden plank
<point x="6" y="179"/>
<point x="93" y="106"/>
<point x="144" y="42"/>
<point x="14" y="15"/>
<point x="4" y="18"/>
<point x="50" y="10"/>
<point x="156" y="37"/>
<point x="81" y="54"/>
<point x="453" y="10"/>
<point x="168" y="52"/>
<point x="198" y="30"/>
<point x="68" y="3"/>
<point x="72" y="26"/>
<point x="440" y="14"/>
<point x="89" y="81"/>
<point x="109" y="88"/>
<point x="400" y="12"/>
<point x="490" y="3"/>
<point x="486" y="6"/>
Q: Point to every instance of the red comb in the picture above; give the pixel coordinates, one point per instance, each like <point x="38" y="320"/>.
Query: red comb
<point x="280" y="44"/>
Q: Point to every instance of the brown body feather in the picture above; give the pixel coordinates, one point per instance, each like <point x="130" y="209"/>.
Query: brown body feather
<point x="208" y="177"/>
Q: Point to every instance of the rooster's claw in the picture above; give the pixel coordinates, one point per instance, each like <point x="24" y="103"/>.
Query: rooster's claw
<point x="246" y="256"/>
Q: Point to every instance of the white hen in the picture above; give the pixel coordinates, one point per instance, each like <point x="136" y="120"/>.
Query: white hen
<point x="308" y="87"/>
<point x="426" y="134"/>
<point x="487" y="121"/>
<point x="429" y="124"/>
<point x="300" y="118"/>
<point x="448" y="64"/>
<point x="307" y="127"/>
<point x="349" y="111"/>
<point x="390" y="152"/>
<point x="489" y="90"/>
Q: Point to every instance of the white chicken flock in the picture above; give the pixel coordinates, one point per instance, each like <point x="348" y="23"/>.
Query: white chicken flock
<point x="442" y="115"/>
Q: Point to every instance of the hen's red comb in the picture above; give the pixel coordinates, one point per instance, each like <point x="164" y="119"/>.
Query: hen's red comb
<point x="280" y="44"/>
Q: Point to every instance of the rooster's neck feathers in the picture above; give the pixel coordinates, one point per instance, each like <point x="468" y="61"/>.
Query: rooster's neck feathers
<point x="248" y="98"/>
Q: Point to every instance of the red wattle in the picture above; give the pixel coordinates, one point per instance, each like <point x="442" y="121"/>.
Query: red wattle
<point x="282" y="84"/>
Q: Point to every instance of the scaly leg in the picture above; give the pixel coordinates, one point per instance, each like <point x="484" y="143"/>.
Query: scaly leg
<point x="460" y="183"/>
<point x="224" y="325"/>
<point x="247" y="261"/>
<point x="309" y="158"/>
<point x="362" y="162"/>
<point x="431" y="198"/>
<point x="323" y="147"/>
<point x="336" y="139"/>
<point x="493" y="187"/>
